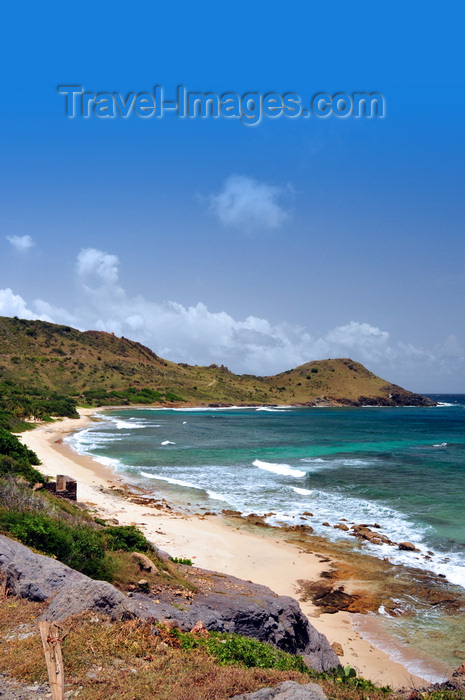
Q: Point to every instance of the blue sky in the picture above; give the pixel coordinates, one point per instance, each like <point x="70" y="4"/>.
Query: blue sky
<point x="263" y="246"/>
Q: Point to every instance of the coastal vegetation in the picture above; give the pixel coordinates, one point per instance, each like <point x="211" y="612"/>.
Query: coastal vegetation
<point x="20" y="402"/>
<point x="47" y="369"/>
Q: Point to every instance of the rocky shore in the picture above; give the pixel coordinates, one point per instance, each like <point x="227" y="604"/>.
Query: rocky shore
<point x="285" y="558"/>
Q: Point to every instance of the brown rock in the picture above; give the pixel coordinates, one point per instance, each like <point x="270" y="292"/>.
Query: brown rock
<point x="363" y="532"/>
<point x="407" y="547"/>
<point x="338" y="648"/>
<point x="299" y="528"/>
<point x="459" y="672"/>
<point x="199" y="629"/>
<point x="326" y="524"/>
<point x="255" y="519"/>
<point x="460" y="655"/>
<point x="341" y="526"/>
<point x="322" y="594"/>
<point x="437" y="597"/>
<point x="145" y="564"/>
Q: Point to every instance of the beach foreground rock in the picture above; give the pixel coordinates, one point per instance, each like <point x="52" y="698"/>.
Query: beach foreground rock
<point x="289" y="690"/>
<point x="225" y="604"/>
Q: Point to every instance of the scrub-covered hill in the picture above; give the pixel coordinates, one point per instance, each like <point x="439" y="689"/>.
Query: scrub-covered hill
<point x="48" y="364"/>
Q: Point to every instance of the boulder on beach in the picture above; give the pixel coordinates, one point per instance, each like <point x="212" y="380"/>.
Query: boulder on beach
<point x="231" y="605"/>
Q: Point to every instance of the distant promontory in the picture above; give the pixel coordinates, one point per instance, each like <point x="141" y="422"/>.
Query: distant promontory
<point x="97" y="368"/>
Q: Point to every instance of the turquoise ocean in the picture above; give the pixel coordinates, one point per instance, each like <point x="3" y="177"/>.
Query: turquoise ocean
<point x="403" y="468"/>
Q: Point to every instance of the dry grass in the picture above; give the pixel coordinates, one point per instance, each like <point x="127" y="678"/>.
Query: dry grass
<point x="126" y="661"/>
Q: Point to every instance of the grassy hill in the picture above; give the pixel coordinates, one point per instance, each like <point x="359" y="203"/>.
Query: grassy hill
<point x="49" y="363"/>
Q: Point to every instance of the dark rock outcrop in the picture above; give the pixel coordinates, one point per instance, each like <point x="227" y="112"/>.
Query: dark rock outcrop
<point x="226" y="604"/>
<point x="288" y="690"/>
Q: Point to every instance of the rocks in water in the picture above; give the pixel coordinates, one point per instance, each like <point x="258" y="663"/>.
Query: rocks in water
<point x="341" y="526"/>
<point x="225" y="604"/>
<point x="365" y="533"/>
<point x="407" y="547"/>
<point x="438" y="597"/>
<point x="299" y="528"/>
<point x="288" y="690"/>
<point x="255" y="519"/>
<point x="332" y="600"/>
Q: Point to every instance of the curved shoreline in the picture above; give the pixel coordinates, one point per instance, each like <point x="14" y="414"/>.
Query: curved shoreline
<point x="215" y="544"/>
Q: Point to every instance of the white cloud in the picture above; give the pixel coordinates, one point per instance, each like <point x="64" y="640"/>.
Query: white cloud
<point x="13" y="305"/>
<point x="96" y="268"/>
<point x="248" y="204"/>
<point x="54" y="314"/>
<point x="21" y="243"/>
<point x="197" y="335"/>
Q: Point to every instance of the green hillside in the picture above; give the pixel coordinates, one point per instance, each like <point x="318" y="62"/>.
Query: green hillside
<point x="56" y="365"/>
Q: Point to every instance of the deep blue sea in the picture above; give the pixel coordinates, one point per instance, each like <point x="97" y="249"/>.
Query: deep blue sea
<point x="403" y="468"/>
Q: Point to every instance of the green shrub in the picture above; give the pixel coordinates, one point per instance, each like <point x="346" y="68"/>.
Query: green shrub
<point x="80" y="547"/>
<point x="11" y="466"/>
<point x="11" y="446"/>
<point x="126" y="537"/>
<point x="180" y="560"/>
<point x="348" y="676"/>
<point x="231" y="649"/>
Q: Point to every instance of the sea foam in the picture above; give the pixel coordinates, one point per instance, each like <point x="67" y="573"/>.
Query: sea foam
<point x="170" y="480"/>
<point x="282" y="469"/>
<point x="186" y="484"/>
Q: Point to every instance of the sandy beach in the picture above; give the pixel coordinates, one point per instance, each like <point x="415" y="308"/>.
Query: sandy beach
<point x="213" y="543"/>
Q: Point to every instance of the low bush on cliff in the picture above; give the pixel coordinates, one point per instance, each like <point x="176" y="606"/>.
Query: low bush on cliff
<point x="52" y="525"/>
<point x="80" y="547"/>
<point x="235" y="649"/>
<point x="18" y="460"/>
<point x="126" y="538"/>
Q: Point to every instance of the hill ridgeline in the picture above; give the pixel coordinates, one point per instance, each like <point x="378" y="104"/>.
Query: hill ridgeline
<point x="45" y="360"/>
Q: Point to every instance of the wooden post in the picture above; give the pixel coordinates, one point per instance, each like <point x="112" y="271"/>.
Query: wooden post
<point x="51" y="641"/>
<point x="3" y="588"/>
